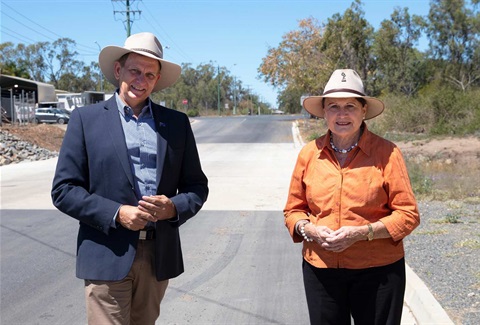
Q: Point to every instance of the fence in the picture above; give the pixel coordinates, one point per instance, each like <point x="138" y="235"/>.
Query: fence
<point x="18" y="108"/>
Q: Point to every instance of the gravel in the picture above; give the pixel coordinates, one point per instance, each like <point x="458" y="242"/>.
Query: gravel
<point x="14" y="150"/>
<point x="444" y="251"/>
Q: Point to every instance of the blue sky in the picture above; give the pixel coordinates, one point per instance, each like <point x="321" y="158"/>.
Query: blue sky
<point x="232" y="34"/>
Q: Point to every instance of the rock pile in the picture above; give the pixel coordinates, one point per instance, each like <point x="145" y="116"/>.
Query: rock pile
<point x="14" y="150"/>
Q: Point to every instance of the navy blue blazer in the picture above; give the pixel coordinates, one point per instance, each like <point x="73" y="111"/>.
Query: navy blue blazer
<point x="93" y="178"/>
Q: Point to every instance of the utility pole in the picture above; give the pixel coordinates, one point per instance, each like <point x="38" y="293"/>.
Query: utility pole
<point x="234" y="95"/>
<point x="129" y="14"/>
<point x="218" y="89"/>
<point x="101" y="74"/>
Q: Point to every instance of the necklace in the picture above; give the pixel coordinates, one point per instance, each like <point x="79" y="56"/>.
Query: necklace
<point x="341" y="150"/>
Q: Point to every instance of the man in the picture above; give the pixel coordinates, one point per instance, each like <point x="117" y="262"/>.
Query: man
<point x="129" y="171"/>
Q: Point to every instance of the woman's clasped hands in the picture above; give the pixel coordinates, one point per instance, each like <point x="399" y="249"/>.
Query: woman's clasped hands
<point x="334" y="240"/>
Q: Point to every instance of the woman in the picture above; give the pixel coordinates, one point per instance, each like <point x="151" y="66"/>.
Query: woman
<point x="351" y="203"/>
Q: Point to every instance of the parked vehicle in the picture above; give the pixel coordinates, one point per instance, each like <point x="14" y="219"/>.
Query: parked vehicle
<point x="51" y="115"/>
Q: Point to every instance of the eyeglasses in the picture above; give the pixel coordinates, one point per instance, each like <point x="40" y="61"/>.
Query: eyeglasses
<point x="137" y="73"/>
<point x="334" y="108"/>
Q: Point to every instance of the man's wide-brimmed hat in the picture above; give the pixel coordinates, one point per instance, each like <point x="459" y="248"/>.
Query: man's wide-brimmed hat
<point x="344" y="83"/>
<point x="145" y="44"/>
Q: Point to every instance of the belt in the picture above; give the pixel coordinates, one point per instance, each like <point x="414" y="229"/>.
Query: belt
<point x="147" y="234"/>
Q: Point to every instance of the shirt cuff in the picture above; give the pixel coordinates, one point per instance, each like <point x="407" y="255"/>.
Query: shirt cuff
<point x="113" y="224"/>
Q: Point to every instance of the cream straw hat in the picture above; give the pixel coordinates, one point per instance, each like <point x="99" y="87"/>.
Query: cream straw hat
<point x="145" y="44"/>
<point x="344" y="83"/>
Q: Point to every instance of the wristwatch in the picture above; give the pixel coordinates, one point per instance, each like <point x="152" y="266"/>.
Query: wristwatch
<point x="370" y="232"/>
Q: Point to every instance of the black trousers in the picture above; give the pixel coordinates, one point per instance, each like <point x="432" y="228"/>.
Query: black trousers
<point x="371" y="296"/>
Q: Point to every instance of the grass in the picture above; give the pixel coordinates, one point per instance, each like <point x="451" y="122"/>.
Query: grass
<point x="432" y="232"/>
<point x="450" y="218"/>
<point x="469" y="243"/>
<point x="311" y="129"/>
<point x="437" y="180"/>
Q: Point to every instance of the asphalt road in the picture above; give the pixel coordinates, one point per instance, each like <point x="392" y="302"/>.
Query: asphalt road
<point x="241" y="266"/>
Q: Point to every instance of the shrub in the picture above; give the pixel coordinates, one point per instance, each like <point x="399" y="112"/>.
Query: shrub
<point x="436" y="110"/>
<point x="192" y="112"/>
<point x="454" y="112"/>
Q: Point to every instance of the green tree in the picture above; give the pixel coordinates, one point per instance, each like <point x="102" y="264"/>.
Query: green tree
<point x="85" y="81"/>
<point x="400" y="66"/>
<point x="305" y="59"/>
<point x="297" y="64"/>
<point x="33" y="57"/>
<point x="206" y="87"/>
<point x="61" y="61"/>
<point x="10" y="63"/>
<point x="347" y="43"/>
<point x="453" y="30"/>
<point x="289" y="99"/>
<point x="297" y="60"/>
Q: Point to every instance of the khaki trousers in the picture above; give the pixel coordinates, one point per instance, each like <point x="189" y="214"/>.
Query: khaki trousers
<point x="134" y="300"/>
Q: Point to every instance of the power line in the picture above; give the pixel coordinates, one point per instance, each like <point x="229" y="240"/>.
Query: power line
<point x="16" y="35"/>
<point x="3" y="3"/>
<point x="174" y="46"/>
<point x="32" y="29"/>
<point x="91" y="48"/>
<point x="128" y="21"/>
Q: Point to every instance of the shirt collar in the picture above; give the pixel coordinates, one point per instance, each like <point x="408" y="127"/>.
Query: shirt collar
<point x="365" y="139"/>
<point x="125" y="110"/>
<point x="324" y="141"/>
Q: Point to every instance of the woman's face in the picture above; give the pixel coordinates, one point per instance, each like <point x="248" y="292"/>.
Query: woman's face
<point x="344" y="116"/>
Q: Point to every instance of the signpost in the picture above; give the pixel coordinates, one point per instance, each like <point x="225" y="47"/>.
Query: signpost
<point x="185" y="103"/>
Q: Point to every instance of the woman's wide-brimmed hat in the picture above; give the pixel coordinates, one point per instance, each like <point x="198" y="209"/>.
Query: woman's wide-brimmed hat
<point x="145" y="44"/>
<point x="344" y="83"/>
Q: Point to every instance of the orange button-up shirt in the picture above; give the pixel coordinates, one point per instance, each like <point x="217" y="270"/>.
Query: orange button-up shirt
<point x="373" y="186"/>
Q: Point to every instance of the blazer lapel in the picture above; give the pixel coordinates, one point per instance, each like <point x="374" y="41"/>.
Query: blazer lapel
<point x="114" y="127"/>
<point x="162" y="132"/>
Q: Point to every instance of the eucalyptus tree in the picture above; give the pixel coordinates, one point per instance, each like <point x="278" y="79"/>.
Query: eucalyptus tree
<point x="297" y="62"/>
<point x="26" y="61"/>
<point x="400" y="66"/>
<point x="347" y="43"/>
<point x="53" y="63"/>
<point x="454" y="33"/>
<point x="84" y="81"/>
<point x="10" y="62"/>
<point x="305" y="59"/>
<point x="61" y="60"/>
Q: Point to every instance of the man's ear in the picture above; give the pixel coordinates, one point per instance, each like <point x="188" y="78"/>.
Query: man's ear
<point x="116" y="69"/>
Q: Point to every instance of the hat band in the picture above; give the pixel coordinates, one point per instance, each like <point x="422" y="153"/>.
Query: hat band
<point x="343" y="90"/>
<point x="146" y="50"/>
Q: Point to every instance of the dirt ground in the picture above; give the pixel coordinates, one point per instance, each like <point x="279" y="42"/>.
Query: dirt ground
<point x="465" y="150"/>
<point x="48" y="136"/>
<point x="456" y="150"/>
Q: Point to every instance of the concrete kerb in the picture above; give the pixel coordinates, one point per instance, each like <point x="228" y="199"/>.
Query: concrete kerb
<point x="423" y="305"/>
<point x="297" y="137"/>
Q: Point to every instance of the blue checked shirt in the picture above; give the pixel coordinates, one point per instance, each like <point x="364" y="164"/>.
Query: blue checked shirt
<point x="141" y="140"/>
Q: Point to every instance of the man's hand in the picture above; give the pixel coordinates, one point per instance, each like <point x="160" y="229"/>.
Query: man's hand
<point x="159" y="207"/>
<point x="133" y="218"/>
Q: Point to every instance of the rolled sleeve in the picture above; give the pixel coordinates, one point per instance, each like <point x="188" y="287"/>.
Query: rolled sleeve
<point x="405" y="216"/>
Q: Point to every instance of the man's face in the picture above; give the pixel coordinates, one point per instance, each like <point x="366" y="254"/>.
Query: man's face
<point x="137" y="78"/>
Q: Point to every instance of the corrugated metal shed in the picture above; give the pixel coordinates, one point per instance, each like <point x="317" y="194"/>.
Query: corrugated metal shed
<point x="43" y="92"/>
